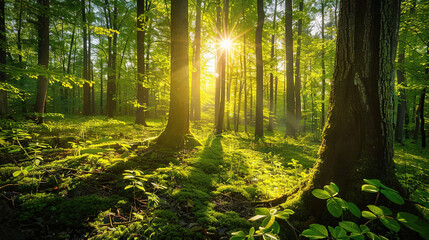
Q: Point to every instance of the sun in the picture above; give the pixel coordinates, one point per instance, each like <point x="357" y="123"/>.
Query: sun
<point x="226" y="44"/>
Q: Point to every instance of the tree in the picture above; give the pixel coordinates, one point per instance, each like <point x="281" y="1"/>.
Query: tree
<point x="142" y="92"/>
<point x="43" y="57"/>
<point x="86" y="71"/>
<point x="402" y="104"/>
<point x="196" y="74"/>
<point x="4" y="111"/>
<point x="259" y="116"/>
<point x="358" y="138"/>
<point x="177" y="128"/>
<point x="222" y="70"/>
<point x="297" y="69"/>
<point x="273" y="36"/>
<point x="322" y="118"/>
<point x="290" y="112"/>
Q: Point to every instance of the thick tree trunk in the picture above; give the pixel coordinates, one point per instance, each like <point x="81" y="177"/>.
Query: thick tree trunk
<point x="259" y="123"/>
<point x="358" y="139"/>
<point x="222" y="82"/>
<point x="290" y="112"/>
<point x="43" y="58"/>
<point x="4" y="110"/>
<point x="297" y="70"/>
<point x="177" y="128"/>
<point x="402" y="99"/>
<point x="196" y="74"/>
<point x="140" y="114"/>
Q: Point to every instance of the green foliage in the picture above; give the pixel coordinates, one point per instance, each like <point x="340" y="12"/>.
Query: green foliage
<point x="351" y="230"/>
<point x="269" y="227"/>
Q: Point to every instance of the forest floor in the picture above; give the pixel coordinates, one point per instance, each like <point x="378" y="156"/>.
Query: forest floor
<point x="99" y="178"/>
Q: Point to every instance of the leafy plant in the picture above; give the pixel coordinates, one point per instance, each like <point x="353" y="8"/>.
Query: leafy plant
<point x="269" y="227"/>
<point x="349" y="229"/>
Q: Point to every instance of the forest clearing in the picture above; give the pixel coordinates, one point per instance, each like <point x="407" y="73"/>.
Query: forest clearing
<point x="214" y="119"/>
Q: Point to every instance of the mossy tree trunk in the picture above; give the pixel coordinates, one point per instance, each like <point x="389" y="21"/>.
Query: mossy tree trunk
<point x="177" y="129"/>
<point x="358" y="139"/>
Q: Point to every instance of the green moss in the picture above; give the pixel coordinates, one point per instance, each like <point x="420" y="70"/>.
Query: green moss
<point x="76" y="211"/>
<point x="38" y="205"/>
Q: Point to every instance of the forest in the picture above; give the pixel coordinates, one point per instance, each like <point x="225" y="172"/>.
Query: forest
<point x="214" y="119"/>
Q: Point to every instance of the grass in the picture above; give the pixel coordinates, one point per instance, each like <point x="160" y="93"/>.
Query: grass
<point x="78" y="185"/>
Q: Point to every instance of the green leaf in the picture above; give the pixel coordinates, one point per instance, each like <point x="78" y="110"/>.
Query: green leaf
<point x="374" y="182"/>
<point x="251" y="231"/>
<point x="268" y="222"/>
<point x="392" y="196"/>
<point x="262" y="211"/>
<point x="338" y="232"/>
<point x="369" y="188"/>
<point x="368" y="215"/>
<point x="141" y="188"/>
<point x="335" y="187"/>
<point x="330" y="190"/>
<point x="364" y="229"/>
<point x="390" y="223"/>
<point x="405" y="217"/>
<point x="386" y="211"/>
<point x="376" y="210"/>
<point x="350" y="226"/>
<point x="239" y="234"/>
<point x="321" y="194"/>
<point x="334" y="208"/>
<point x="128" y="187"/>
<point x="341" y="202"/>
<point x="354" y="209"/>
<point x="316" y="231"/>
<point x="257" y="217"/>
<point x="16" y="173"/>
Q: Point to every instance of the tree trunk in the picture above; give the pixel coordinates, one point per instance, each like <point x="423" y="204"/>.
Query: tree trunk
<point x="141" y="19"/>
<point x="111" y="75"/>
<point x="322" y="117"/>
<point x="259" y="115"/>
<point x="290" y="113"/>
<point x="86" y="87"/>
<point x="4" y="110"/>
<point x="245" y="73"/>
<point x="402" y="99"/>
<point x="297" y="69"/>
<point x="196" y="74"/>
<point x="222" y="82"/>
<point x="177" y="128"/>
<point x="43" y="58"/>
<point x="271" y="120"/>
<point x="358" y="139"/>
<point x="218" y="61"/>
<point x="422" y="117"/>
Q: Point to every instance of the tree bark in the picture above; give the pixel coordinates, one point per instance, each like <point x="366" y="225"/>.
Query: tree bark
<point x="218" y="62"/>
<point x="322" y="117"/>
<point x="196" y="74"/>
<point x="141" y="20"/>
<point x="358" y="139"/>
<point x="177" y="129"/>
<point x="4" y="110"/>
<point x="86" y="87"/>
<point x="259" y="121"/>
<point x="297" y="70"/>
<point x="273" y="36"/>
<point x="402" y="98"/>
<point x="290" y="113"/>
<point x="43" y="58"/>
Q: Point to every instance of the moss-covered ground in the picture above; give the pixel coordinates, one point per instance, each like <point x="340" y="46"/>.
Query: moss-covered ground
<point x="64" y="179"/>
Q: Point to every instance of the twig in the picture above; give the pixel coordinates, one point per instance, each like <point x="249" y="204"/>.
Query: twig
<point x="119" y="223"/>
